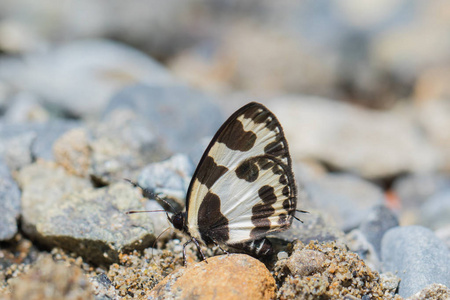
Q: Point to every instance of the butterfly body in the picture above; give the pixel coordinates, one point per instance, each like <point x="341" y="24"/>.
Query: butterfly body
<point x="243" y="187"/>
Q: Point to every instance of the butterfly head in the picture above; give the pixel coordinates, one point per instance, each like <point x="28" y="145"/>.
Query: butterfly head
<point x="178" y="221"/>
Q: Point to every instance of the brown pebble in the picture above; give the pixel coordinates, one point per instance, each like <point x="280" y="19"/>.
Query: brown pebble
<point x="306" y="262"/>
<point x="233" y="276"/>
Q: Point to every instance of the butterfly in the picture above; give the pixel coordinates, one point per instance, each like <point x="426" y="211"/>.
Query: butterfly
<point x="243" y="187"/>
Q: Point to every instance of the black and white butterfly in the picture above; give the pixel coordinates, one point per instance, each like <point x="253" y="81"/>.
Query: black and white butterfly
<point x="243" y="187"/>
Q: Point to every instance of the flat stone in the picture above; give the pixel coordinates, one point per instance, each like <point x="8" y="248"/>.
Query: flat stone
<point x="343" y="198"/>
<point x="9" y="203"/>
<point x="234" y="276"/>
<point x="417" y="256"/>
<point x="181" y="116"/>
<point x="63" y="210"/>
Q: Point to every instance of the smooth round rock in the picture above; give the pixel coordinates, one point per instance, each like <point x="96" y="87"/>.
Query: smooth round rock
<point x="417" y="256"/>
<point x="234" y="276"/>
<point x="306" y="262"/>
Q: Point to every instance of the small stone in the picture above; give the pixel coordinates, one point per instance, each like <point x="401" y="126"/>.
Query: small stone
<point x="433" y="291"/>
<point x="389" y="282"/>
<point x="234" y="276"/>
<point x="417" y="256"/>
<point x="344" y="198"/>
<point x="379" y="220"/>
<point x="51" y="280"/>
<point x="282" y="255"/>
<point x="72" y="151"/>
<point x="169" y="179"/>
<point x="64" y="210"/>
<point x="306" y="262"/>
<point x="9" y="203"/>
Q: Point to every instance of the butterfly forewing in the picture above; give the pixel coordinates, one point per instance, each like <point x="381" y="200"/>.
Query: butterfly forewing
<point x="243" y="187"/>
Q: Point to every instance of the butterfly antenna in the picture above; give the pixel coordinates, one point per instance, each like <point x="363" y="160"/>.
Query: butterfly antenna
<point x="154" y="243"/>
<point x="300" y="211"/>
<point x="151" y="195"/>
<point x="143" y="211"/>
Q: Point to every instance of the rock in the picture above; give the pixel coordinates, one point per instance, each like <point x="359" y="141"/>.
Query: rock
<point x="337" y="274"/>
<point x="121" y="145"/>
<point x="15" y="144"/>
<point x="414" y="190"/>
<point x="343" y="198"/>
<point x="306" y="262"/>
<point x="73" y="152"/>
<point x="169" y="178"/>
<point x="390" y="282"/>
<point x="379" y="220"/>
<point x="357" y="242"/>
<point x="313" y="228"/>
<point x="180" y="115"/>
<point x="435" y="213"/>
<point x="51" y="280"/>
<point x="42" y="146"/>
<point x="65" y="211"/>
<point x="25" y="107"/>
<point x="444" y="235"/>
<point x="372" y="144"/>
<point x="9" y="203"/>
<point x="234" y="276"/>
<point x="101" y="68"/>
<point x="417" y="256"/>
<point x="433" y="291"/>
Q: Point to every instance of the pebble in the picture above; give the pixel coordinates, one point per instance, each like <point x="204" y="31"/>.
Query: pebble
<point x="234" y="276"/>
<point x="101" y="68"/>
<point x="169" y="178"/>
<point x="343" y="198"/>
<point x="9" y="203"/>
<point x="434" y="291"/>
<point x="179" y="126"/>
<point x="63" y="210"/>
<point x="51" y="280"/>
<point x="306" y="262"/>
<point x="379" y="220"/>
<point x="417" y="256"/>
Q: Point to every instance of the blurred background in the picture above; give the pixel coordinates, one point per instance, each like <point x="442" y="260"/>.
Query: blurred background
<point x="361" y="87"/>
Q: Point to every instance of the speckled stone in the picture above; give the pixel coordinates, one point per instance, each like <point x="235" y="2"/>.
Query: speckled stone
<point x="72" y="151"/>
<point x="52" y="281"/>
<point x="234" y="276"/>
<point x="432" y="292"/>
<point x="417" y="256"/>
<point x="306" y="262"/>
<point x="64" y="210"/>
<point x="9" y="203"/>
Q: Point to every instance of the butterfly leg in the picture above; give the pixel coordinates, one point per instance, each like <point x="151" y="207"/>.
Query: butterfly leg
<point x="184" y="251"/>
<point x="218" y="245"/>
<point x="199" y="249"/>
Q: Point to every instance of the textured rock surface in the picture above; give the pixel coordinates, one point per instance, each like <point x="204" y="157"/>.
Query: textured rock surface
<point x="9" y="203"/>
<point x="235" y="276"/>
<point x="64" y="210"/>
<point x="417" y="256"/>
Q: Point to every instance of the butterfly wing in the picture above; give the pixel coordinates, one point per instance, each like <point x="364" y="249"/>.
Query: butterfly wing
<point x="243" y="187"/>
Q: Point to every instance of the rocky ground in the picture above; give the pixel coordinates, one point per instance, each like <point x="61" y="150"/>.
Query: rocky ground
<point x="131" y="94"/>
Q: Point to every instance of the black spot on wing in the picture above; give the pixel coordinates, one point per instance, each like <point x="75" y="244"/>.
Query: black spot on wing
<point x="267" y="194"/>
<point x="236" y="138"/>
<point x="212" y="224"/>
<point x="210" y="172"/>
<point x="248" y="170"/>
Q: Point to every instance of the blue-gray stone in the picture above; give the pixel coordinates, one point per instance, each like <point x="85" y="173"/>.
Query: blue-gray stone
<point x="435" y="212"/>
<point x="182" y="116"/>
<point x="379" y="220"/>
<point x="9" y="203"/>
<point x="417" y="256"/>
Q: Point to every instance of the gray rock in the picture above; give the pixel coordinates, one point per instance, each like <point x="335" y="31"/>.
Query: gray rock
<point x="313" y="227"/>
<point x="121" y="145"/>
<point x="15" y="143"/>
<point x="417" y="256"/>
<point x="9" y="203"/>
<point x="169" y="178"/>
<point x="433" y="291"/>
<point x="180" y="115"/>
<point x="357" y="242"/>
<point x="343" y="198"/>
<point x="100" y="67"/>
<point x="65" y="211"/>
<point x="42" y="146"/>
<point x="379" y="220"/>
<point x="435" y="213"/>
<point x="354" y="139"/>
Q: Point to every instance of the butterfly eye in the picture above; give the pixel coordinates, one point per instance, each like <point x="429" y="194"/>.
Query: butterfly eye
<point x="178" y="221"/>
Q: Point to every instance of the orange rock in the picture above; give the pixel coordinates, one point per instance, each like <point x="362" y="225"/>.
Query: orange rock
<point x="233" y="276"/>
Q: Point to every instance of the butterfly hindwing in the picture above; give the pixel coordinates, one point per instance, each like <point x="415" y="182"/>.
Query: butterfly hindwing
<point x="243" y="187"/>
